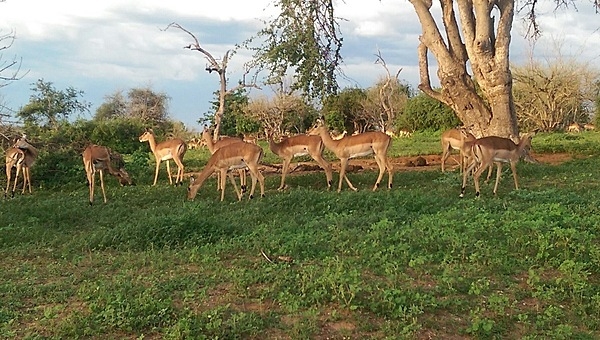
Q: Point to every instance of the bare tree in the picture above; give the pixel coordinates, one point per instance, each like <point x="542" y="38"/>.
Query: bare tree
<point x="274" y="113"/>
<point x="551" y="94"/>
<point x="221" y="69"/>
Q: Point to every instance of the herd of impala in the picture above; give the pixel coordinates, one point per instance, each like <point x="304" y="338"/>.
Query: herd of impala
<point x="228" y="153"/>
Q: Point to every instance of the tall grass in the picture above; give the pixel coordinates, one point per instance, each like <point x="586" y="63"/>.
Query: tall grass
<point x="412" y="262"/>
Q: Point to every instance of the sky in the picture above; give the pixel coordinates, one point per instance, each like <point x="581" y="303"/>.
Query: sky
<point x="102" y="47"/>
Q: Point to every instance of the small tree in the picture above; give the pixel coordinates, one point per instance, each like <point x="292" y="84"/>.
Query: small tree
<point x="344" y="111"/>
<point x="425" y="113"/>
<point x="114" y="106"/>
<point x="48" y="107"/>
<point x="148" y="106"/>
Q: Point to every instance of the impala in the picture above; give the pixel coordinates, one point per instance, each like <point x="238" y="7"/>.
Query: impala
<point x="232" y="156"/>
<point x="214" y="146"/>
<point x="454" y="139"/>
<point x="489" y="150"/>
<point x="164" y="151"/>
<point x="100" y="158"/>
<point x="362" y="144"/>
<point x="299" y="145"/>
<point x="21" y="156"/>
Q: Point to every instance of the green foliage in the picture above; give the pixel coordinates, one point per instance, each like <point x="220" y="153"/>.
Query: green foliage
<point x="343" y="109"/>
<point x="235" y="121"/>
<point x="425" y="113"/>
<point x="49" y="107"/>
<point x="391" y="263"/>
<point x="305" y="39"/>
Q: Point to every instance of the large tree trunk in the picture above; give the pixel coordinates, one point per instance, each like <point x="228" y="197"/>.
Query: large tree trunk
<point x="484" y="100"/>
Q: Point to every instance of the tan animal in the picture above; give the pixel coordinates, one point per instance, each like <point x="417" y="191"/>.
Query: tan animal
<point x="589" y="127"/>
<point x="232" y="156"/>
<point x="21" y="156"/>
<point x="575" y="127"/>
<point x="363" y="144"/>
<point x="164" y="151"/>
<point x="454" y="139"/>
<point x="497" y="150"/>
<point x="299" y="145"/>
<point x="99" y="158"/>
<point x="339" y="136"/>
<point x="221" y="142"/>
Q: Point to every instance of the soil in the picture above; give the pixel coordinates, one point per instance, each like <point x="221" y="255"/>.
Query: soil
<point x="412" y="163"/>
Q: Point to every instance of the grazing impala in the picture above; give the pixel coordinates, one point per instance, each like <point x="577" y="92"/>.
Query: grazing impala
<point x="454" y="139"/>
<point x="21" y="156"/>
<point x="299" y="145"/>
<point x="214" y="146"/>
<point x="232" y="156"/>
<point x="164" y="151"/>
<point x="496" y="150"/>
<point x="362" y="144"/>
<point x="100" y="158"/>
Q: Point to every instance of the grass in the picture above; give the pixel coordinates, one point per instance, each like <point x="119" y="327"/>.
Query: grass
<point x="412" y="262"/>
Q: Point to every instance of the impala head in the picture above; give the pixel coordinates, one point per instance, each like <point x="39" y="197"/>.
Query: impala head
<point x="193" y="188"/>
<point x="148" y="133"/>
<point x="525" y="141"/>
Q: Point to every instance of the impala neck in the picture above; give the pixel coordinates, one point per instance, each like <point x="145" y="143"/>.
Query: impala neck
<point x="329" y="142"/>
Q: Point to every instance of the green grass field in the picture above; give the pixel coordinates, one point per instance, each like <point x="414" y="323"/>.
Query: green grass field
<point x="412" y="262"/>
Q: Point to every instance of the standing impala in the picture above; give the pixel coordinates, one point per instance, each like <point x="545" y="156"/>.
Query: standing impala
<point x="232" y="156"/>
<point x="21" y="156"/>
<point x="496" y="150"/>
<point x="164" y="151"/>
<point x="299" y="145"/>
<point x="214" y="146"/>
<point x="454" y="139"/>
<point x="100" y="158"/>
<point x="362" y="144"/>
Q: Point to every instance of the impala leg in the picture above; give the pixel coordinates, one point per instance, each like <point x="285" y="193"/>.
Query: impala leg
<point x="466" y="173"/>
<point x="513" y="167"/>
<point x="243" y="185"/>
<point x="390" y="169"/>
<point x="284" y="171"/>
<point x="445" y="155"/>
<point x="180" y="171"/>
<point x="16" y="179"/>
<point x="498" y="175"/>
<point x="222" y="178"/>
<point x="343" y="166"/>
<point x="91" y="181"/>
<point x="156" y="171"/>
<point x="8" y="177"/>
<point x="237" y="192"/>
<point x="256" y="176"/>
<point x="102" y="185"/>
<point x="326" y="166"/>
<point x="169" y="172"/>
<point x="382" y="165"/>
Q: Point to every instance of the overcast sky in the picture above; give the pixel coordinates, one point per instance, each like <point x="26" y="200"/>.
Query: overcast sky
<point x="101" y="47"/>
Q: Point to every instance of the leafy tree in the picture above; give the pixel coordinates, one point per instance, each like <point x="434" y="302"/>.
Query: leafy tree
<point x="49" y="107"/>
<point x="344" y="111"/>
<point x="304" y="39"/>
<point x="234" y="120"/>
<point x="114" y="106"/>
<point x="471" y="45"/>
<point x="425" y="113"/>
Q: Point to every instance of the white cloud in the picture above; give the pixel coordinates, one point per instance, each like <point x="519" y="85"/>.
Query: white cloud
<point x="104" y="46"/>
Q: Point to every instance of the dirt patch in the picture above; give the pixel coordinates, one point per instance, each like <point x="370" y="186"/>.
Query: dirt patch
<point x="411" y="163"/>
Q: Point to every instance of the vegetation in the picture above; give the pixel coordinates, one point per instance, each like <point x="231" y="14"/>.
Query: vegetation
<point x="412" y="262"/>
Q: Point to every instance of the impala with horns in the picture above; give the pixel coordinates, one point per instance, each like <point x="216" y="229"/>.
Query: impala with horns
<point x="21" y="156"/>
<point x="491" y="150"/>
<point x="299" y="145"/>
<point x="99" y="158"/>
<point x="164" y="151"/>
<point x="214" y="146"/>
<point x="232" y="156"/>
<point x="454" y="139"/>
<point x="362" y="144"/>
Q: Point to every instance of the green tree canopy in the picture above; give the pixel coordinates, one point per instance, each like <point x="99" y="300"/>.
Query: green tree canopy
<point x="48" y="106"/>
